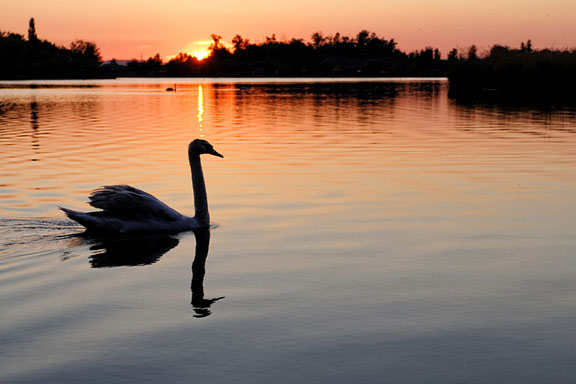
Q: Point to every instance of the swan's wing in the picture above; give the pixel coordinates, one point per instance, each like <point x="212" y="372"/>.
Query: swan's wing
<point x="124" y="201"/>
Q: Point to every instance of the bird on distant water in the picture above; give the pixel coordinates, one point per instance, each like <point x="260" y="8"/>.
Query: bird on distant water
<point x="128" y="209"/>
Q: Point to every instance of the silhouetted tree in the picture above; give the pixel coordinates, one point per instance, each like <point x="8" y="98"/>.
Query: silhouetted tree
<point x="218" y="52"/>
<point x="35" y="58"/>
<point x="156" y="60"/>
<point x="498" y="50"/>
<point x="318" y="39"/>
<point x="472" y="52"/>
<point x="86" y="49"/>
<point x="239" y="43"/>
<point x="154" y="65"/>
<point x="86" y="56"/>
<point x="183" y="65"/>
<point x="362" y="38"/>
<point x="271" y="39"/>
<point x="215" y="42"/>
<point x="526" y="47"/>
<point x="32" y="30"/>
<point x="453" y="55"/>
<point x="336" y="39"/>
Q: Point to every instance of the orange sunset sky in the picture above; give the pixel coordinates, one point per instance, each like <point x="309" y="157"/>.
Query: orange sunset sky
<point x="126" y="29"/>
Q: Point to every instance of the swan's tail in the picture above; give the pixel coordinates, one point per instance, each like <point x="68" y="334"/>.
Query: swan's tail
<point x="79" y="217"/>
<point x="87" y="220"/>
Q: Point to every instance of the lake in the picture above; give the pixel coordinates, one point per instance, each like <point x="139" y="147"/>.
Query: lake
<point x="363" y="232"/>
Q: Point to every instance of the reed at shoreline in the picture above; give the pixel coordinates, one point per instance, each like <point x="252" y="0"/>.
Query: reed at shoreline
<point x="517" y="74"/>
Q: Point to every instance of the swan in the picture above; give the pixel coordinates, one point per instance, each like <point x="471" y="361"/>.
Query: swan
<point x="128" y="209"/>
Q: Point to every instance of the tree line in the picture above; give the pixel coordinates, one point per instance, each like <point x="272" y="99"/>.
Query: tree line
<point x="522" y="72"/>
<point x="515" y="75"/>
<point x="365" y="54"/>
<point x="33" y="58"/>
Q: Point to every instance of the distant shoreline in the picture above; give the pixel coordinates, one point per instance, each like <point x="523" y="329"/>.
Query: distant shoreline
<point x="517" y="74"/>
<point x="250" y="78"/>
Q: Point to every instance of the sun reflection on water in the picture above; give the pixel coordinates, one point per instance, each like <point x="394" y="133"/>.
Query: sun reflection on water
<point x="200" y="110"/>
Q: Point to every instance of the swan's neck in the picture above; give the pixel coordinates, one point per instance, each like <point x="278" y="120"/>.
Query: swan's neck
<point x="199" y="187"/>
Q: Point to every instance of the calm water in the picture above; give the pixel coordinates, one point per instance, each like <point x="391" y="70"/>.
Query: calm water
<point x="363" y="233"/>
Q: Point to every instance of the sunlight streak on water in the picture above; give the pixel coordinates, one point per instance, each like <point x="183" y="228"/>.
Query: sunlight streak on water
<point x="200" y="110"/>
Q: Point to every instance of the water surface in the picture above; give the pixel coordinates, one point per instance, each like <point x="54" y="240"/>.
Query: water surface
<point x="371" y="231"/>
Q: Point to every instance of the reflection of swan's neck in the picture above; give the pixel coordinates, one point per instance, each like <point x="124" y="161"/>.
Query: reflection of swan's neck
<point x="199" y="267"/>
<point x="199" y="187"/>
<point x="200" y="304"/>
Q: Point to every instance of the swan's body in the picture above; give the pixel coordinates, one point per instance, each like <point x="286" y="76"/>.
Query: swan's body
<point x="128" y="209"/>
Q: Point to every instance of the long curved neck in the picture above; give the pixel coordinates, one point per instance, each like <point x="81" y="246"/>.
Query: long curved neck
<point x="199" y="187"/>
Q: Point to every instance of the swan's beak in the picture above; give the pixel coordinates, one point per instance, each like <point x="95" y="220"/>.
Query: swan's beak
<point x="213" y="152"/>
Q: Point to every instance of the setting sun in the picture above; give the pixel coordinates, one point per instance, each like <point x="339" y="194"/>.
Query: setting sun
<point x="201" y="54"/>
<point x="199" y="49"/>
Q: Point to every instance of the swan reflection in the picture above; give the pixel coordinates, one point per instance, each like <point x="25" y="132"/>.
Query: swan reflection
<point x="129" y="250"/>
<point x="200" y="304"/>
<point x="145" y="249"/>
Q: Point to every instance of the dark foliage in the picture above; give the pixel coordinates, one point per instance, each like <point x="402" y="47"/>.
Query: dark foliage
<point x="334" y="56"/>
<point x="365" y="55"/>
<point x="516" y="75"/>
<point x="40" y="59"/>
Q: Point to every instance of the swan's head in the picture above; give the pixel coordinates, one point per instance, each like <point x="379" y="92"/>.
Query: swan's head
<point x="199" y="147"/>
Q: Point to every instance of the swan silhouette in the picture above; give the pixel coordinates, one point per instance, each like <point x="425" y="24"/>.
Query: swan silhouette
<point x="128" y="209"/>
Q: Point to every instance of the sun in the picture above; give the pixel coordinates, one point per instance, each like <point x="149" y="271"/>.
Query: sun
<point x="201" y="54"/>
<point x="199" y="49"/>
